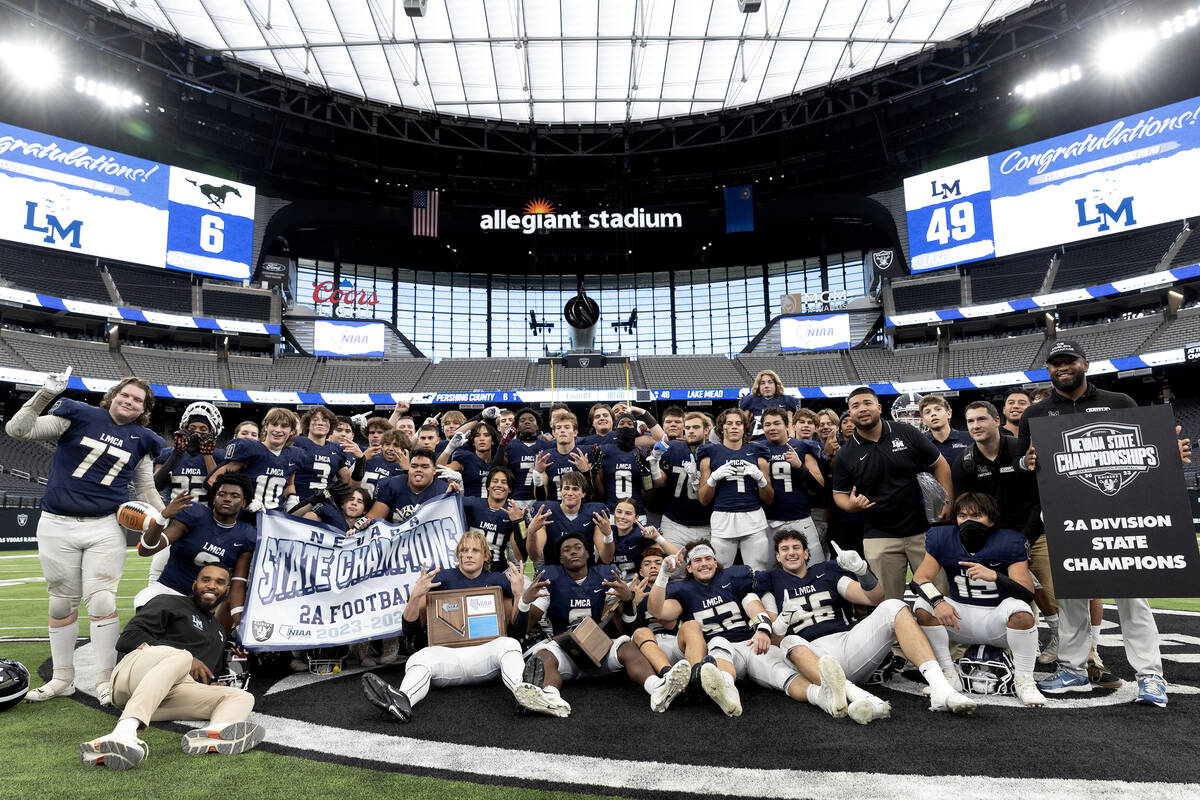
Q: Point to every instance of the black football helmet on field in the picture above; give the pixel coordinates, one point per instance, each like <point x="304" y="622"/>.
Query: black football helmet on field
<point x="14" y="683"/>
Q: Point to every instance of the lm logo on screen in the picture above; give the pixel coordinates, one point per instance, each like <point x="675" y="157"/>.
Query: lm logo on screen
<point x="1104" y="215"/>
<point x="945" y="190"/>
<point x="53" y="227"/>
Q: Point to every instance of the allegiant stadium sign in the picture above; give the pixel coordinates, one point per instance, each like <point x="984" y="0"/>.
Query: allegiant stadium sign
<point x="541" y="215"/>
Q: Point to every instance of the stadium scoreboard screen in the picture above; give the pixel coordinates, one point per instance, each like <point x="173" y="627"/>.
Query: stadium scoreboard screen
<point x="1117" y="176"/>
<point x="76" y="198"/>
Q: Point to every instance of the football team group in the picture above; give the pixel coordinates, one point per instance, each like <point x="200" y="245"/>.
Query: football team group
<point x="773" y="543"/>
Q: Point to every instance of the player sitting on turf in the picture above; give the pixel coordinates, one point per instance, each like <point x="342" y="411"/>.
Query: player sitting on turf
<point x="814" y="617"/>
<point x="271" y="463"/>
<point x="990" y="590"/>
<point x="565" y="594"/>
<point x="671" y="648"/>
<point x="170" y="652"/>
<point x="101" y="454"/>
<point x="631" y="538"/>
<point x="457" y="666"/>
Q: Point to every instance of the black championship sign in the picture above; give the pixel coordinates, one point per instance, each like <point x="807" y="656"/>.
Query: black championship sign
<point x="18" y="528"/>
<point x="1118" y="519"/>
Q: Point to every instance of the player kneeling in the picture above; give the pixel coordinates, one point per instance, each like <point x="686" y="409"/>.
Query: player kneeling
<point x="814" y="613"/>
<point x="456" y="666"/>
<point x="990" y="590"/>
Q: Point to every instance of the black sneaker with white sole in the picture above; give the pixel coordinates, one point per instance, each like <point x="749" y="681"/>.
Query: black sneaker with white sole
<point x="380" y="694"/>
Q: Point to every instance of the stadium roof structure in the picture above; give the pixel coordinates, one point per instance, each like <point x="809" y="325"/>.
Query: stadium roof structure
<point x="567" y="61"/>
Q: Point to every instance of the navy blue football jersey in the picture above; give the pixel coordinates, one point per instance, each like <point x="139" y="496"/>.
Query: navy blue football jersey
<point x="205" y="542"/>
<point x="331" y="515"/>
<point x="739" y="494"/>
<point x="474" y="472"/>
<point x="403" y="501"/>
<point x="680" y="503"/>
<point x="818" y="596"/>
<point x="593" y="439"/>
<point x="318" y="465"/>
<point x="377" y="469"/>
<point x="717" y="606"/>
<point x="1002" y="548"/>
<point x="496" y="526"/>
<point x="269" y="471"/>
<point x="791" y="497"/>
<point x="560" y="524"/>
<point x="520" y="460"/>
<point x="94" y="461"/>
<point x="756" y="404"/>
<point x="560" y="465"/>
<point x="651" y="622"/>
<point x="623" y="478"/>
<point x="452" y="578"/>
<point x="627" y="550"/>
<point x="189" y="473"/>
<point x="570" y="601"/>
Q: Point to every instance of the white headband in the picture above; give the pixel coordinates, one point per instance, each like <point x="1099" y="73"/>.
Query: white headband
<point x="700" y="550"/>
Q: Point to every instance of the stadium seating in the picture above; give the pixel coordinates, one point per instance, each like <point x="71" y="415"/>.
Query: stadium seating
<point x="1114" y="257"/>
<point x="352" y="375"/>
<point x="242" y="304"/>
<point x="807" y="370"/>
<point x="468" y="374"/>
<point x="55" y="353"/>
<point x="926" y="296"/>
<point x="1112" y="339"/>
<point x="173" y="366"/>
<point x="31" y="458"/>
<point x="610" y="376"/>
<point x="1009" y="278"/>
<point x="160" y="289"/>
<point x="878" y="365"/>
<point x="52" y="273"/>
<point x="690" y="372"/>
<point x="287" y="373"/>
<point x="1183" y="330"/>
<point x="1189" y="253"/>
<point x="1014" y="354"/>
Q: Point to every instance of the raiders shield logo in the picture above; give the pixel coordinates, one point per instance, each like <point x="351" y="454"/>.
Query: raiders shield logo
<point x="583" y="362"/>
<point x="262" y="630"/>
<point x="1107" y="456"/>
<point x="883" y="259"/>
<point x="22" y="519"/>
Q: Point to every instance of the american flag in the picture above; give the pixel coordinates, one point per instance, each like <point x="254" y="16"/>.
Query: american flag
<point x="425" y="213"/>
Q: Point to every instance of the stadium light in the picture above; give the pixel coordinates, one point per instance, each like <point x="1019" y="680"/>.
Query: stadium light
<point x="1179" y="23"/>
<point x="109" y="95"/>
<point x="1046" y="82"/>
<point x="34" y="66"/>
<point x="1123" y="52"/>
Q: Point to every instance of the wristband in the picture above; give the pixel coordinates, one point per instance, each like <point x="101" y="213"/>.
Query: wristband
<point x="522" y="606"/>
<point x="1012" y="588"/>
<point x="762" y="482"/>
<point x="539" y="478"/>
<point x="237" y="578"/>
<point x="867" y="580"/>
<point x="149" y="546"/>
<point x="236" y="610"/>
<point x="655" y="470"/>
<point x="711" y="481"/>
<point x="608" y="539"/>
<point x="662" y="579"/>
<point x="928" y="592"/>
<point x="361" y="523"/>
<point x="649" y="419"/>
<point x="410" y="628"/>
<point x="660" y="538"/>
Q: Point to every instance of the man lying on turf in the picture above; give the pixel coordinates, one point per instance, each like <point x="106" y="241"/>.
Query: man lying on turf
<point x="169" y="653"/>
<point x="456" y="666"/>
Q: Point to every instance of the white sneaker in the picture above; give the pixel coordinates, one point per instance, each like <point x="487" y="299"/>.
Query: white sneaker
<point x="54" y="688"/>
<point x="864" y="706"/>
<point x="113" y="752"/>
<point x="298" y="665"/>
<point x="952" y="701"/>
<point x="831" y="696"/>
<point x="535" y="698"/>
<point x="861" y="711"/>
<point x="228" y="741"/>
<point x="712" y="680"/>
<point x="104" y="694"/>
<point x="953" y="678"/>
<point x="674" y="684"/>
<point x="1027" y="692"/>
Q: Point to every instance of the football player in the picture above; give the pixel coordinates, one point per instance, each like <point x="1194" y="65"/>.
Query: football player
<point x="271" y="463"/>
<point x="811" y="610"/>
<point x="521" y="450"/>
<point x="399" y="496"/>
<point x="552" y="521"/>
<point x="458" y="666"/>
<point x="792" y="462"/>
<point x="600" y="418"/>
<point x="103" y="456"/>
<point x="340" y="513"/>
<point x="552" y="463"/>
<point x="246" y="430"/>
<point x="451" y="422"/>
<point x="475" y="460"/>
<point x="194" y="455"/>
<point x="672" y="423"/>
<point x="765" y="392"/>
<point x="385" y="460"/>
<point x="619" y="473"/>
<point x="935" y="415"/>
<point x="195" y="534"/>
<point x="565" y="594"/>
<point x="671" y="648"/>
<point x="676" y="474"/>
<point x="322" y="457"/>
<point x="729" y="472"/>
<point x="632" y="538"/>
<point x="500" y="519"/>
<point x="990" y="590"/>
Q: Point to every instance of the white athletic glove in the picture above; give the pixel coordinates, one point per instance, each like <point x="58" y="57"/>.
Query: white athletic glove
<point x="850" y="560"/>
<point x="456" y="442"/>
<point x="359" y="420"/>
<point x="726" y="471"/>
<point x="752" y="471"/>
<point x="56" y="382"/>
<point x="449" y="475"/>
<point x="491" y="413"/>
<point x="255" y="506"/>
<point x="781" y="624"/>
<point x="693" y="474"/>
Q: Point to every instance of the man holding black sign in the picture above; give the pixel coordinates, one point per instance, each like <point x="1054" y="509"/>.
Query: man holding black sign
<point x="1072" y="394"/>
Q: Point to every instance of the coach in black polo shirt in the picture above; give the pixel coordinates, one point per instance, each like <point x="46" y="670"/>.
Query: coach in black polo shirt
<point x="876" y="472"/>
<point x="990" y="465"/>
<point x="1073" y="394"/>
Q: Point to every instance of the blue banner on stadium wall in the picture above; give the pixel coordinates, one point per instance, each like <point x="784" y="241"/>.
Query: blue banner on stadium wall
<point x="1117" y="176"/>
<point x="77" y="198"/>
<point x="1118" y="518"/>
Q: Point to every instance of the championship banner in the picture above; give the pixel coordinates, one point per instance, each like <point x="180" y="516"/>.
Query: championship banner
<point x="1118" y="518"/>
<point x="313" y="586"/>
<point x="820" y="332"/>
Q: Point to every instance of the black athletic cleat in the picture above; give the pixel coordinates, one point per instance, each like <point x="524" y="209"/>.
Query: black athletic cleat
<point x="535" y="671"/>
<point x="380" y="694"/>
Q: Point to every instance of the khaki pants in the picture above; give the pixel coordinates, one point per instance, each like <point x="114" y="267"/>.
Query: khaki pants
<point x="889" y="559"/>
<point x="1039" y="565"/>
<point x="154" y="683"/>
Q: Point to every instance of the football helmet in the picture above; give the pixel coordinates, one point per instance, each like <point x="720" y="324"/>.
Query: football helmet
<point x="907" y="408"/>
<point x="985" y="669"/>
<point x="208" y="412"/>
<point x="14" y="683"/>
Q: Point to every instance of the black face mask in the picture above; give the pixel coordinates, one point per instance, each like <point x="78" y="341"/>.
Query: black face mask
<point x="626" y="438"/>
<point x="974" y="535"/>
